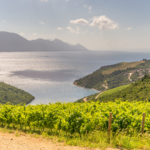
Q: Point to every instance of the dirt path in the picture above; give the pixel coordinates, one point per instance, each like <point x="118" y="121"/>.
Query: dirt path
<point x="129" y="77"/>
<point x="8" y="141"/>
<point x="85" y="99"/>
<point x="98" y="95"/>
<point x="105" y="86"/>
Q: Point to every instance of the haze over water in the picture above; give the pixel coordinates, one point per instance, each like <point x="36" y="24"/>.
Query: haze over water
<point x="49" y="76"/>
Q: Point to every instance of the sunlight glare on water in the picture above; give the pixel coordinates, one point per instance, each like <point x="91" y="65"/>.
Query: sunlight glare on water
<point x="49" y="76"/>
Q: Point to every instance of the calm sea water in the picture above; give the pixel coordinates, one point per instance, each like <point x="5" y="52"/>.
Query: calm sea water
<point x="49" y="75"/>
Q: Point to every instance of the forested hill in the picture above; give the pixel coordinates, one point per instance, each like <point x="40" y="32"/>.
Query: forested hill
<point x="13" y="95"/>
<point x="116" y="75"/>
<point x="138" y="91"/>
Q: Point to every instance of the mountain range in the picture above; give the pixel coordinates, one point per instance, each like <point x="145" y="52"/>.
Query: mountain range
<point x="12" y="42"/>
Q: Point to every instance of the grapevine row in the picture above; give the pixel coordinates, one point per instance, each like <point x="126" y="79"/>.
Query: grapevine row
<point x="77" y="117"/>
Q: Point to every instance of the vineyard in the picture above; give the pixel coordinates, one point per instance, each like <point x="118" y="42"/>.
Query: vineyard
<point x="76" y="117"/>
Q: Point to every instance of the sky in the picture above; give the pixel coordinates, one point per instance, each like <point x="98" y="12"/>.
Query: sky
<point x="96" y="24"/>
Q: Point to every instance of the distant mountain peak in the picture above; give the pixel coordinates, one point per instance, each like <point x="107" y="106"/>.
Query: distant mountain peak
<point x="57" y="40"/>
<point x="14" y="42"/>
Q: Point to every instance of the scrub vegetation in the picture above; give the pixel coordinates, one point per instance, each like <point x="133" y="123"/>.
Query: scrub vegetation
<point x="138" y="91"/>
<point x="13" y="95"/>
<point x="112" y="76"/>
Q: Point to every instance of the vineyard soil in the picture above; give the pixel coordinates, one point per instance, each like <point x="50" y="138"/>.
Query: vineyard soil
<point x="26" y="142"/>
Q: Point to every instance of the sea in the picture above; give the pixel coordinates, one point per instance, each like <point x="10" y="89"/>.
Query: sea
<point x="49" y="76"/>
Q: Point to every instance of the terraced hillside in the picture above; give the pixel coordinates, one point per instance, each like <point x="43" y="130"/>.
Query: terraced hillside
<point x="112" y="76"/>
<point x="13" y="95"/>
<point x="138" y="91"/>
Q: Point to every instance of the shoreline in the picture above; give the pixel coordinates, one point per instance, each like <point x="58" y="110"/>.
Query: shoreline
<point x="30" y="101"/>
<point x="86" y="88"/>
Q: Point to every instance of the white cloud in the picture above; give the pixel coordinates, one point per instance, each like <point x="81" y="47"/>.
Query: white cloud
<point x="128" y="28"/>
<point x="4" y="21"/>
<point x="71" y="30"/>
<point x="75" y="31"/>
<point x="59" y="28"/>
<point x="79" y="21"/>
<point x="22" y="34"/>
<point x="44" y="0"/>
<point x="42" y="23"/>
<point x="90" y="8"/>
<point x="67" y="0"/>
<point x="85" y="6"/>
<point x="104" y="23"/>
<point x="34" y="33"/>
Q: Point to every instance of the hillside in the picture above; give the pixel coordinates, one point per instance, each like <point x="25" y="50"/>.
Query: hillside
<point x="138" y="91"/>
<point x="112" y="76"/>
<point x="13" y="95"/>
<point x="12" y="42"/>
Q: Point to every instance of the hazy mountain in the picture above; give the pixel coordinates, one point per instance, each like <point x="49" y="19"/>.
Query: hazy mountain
<point x="14" y="42"/>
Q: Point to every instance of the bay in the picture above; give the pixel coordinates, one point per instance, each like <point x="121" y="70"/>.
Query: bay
<point x="49" y="76"/>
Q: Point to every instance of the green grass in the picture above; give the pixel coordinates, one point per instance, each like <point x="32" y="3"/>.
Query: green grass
<point x="114" y="90"/>
<point x="108" y="92"/>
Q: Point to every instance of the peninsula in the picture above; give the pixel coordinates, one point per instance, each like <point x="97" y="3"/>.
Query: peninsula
<point x="13" y="95"/>
<point x="112" y="76"/>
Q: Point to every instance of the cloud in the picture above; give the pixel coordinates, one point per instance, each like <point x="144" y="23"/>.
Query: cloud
<point x="128" y="28"/>
<point x="75" y="31"/>
<point x="44" y="0"/>
<point x="59" y="28"/>
<point x="79" y="21"/>
<point x="4" y="21"/>
<point x="22" y="34"/>
<point x="104" y="23"/>
<point x="85" y="6"/>
<point x="42" y="23"/>
<point x="67" y="0"/>
<point x="34" y="33"/>
<point x="71" y="30"/>
<point x="90" y="8"/>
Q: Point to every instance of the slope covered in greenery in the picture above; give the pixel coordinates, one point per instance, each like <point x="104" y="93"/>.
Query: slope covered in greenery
<point x="138" y="91"/>
<point x="116" y="75"/>
<point x="13" y="95"/>
<point x="102" y="94"/>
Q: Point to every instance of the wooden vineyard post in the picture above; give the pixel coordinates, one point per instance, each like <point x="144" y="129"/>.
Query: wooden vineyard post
<point x="109" y="126"/>
<point x="143" y="122"/>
